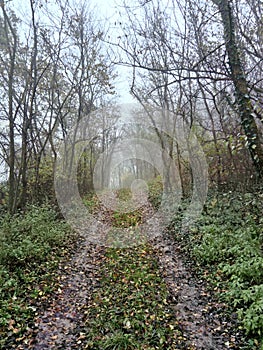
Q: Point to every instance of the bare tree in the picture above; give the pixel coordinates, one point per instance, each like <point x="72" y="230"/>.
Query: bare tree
<point x="200" y="60"/>
<point x="56" y="73"/>
<point x="11" y="41"/>
<point x="241" y="85"/>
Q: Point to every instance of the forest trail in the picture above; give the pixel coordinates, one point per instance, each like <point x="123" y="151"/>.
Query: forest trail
<point x="198" y="320"/>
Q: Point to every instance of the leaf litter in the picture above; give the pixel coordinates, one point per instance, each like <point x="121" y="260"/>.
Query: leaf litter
<point x="156" y="303"/>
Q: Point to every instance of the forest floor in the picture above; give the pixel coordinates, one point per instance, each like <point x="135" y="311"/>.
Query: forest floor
<point x="145" y="297"/>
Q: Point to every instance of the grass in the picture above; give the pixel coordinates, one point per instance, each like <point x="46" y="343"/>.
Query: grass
<point x="131" y="309"/>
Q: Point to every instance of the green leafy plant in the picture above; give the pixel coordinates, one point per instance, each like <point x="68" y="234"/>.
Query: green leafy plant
<point x="118" y="341"/>
<point x="155" y="191"/>
<point x="130" y="309"/>
<point x="30" y="246"/>
<point x="227" y="240"/>
<point x="127" y="219"/>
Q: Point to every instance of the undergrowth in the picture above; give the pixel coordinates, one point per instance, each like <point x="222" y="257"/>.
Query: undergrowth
<point x="30" y="246"/>
<point x="227" y="241"/>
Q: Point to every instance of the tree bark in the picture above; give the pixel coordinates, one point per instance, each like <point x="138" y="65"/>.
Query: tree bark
<point x="11" y="118"/>
<point x="241" y="86"/>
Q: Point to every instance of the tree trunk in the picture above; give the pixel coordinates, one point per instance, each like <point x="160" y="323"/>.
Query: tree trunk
<point x="241" y="86"/>
<point x="11" y="118"/>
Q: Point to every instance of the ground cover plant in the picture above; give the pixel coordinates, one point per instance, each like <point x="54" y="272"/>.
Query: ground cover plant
<point x="31" y="245"/>
<point x="226" y="243"/>
<point x="130" y="309"/>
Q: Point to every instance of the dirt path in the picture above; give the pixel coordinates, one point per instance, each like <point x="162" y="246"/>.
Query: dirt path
<point x="204" y="321"/>
<point x="202" y="318"/>
<point x="61" y="325"/>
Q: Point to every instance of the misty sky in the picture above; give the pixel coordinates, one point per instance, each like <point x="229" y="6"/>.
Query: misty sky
<point x="107" y="13"/>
